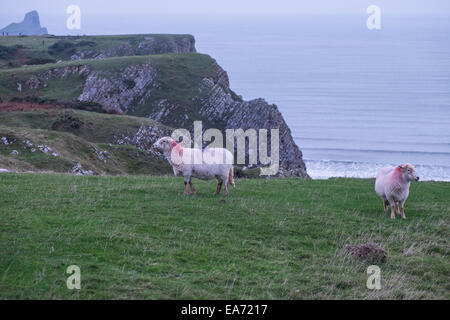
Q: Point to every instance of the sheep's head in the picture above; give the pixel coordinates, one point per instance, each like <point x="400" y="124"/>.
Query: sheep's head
<point x="164" y="144"/>
<point x="171" y="149"/>
<point x="409" y="173"/>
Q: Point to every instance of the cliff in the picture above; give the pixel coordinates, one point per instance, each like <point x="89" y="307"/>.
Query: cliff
<point x="173" y="89"/>
<point x="29" y="26"/>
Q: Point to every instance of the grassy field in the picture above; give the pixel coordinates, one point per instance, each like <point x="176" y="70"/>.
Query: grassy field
<point x="139" y="237"/>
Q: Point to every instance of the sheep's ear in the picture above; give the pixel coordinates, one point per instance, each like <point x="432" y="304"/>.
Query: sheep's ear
<point x="402" y="166"/>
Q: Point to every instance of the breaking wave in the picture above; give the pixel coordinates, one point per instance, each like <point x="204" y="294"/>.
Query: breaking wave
<point x="324" y="169"/>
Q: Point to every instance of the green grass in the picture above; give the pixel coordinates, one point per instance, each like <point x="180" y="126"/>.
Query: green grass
<point x="67" y="90"/>
<point x="42" y="43"/>
<point x="35" y="48"/>
<point x="35" y="43"/>
<point x="139" y="237"/>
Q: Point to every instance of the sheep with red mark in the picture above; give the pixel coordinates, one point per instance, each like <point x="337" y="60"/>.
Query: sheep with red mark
<point x="392" y="185"/>
<point x="204" y="164"/>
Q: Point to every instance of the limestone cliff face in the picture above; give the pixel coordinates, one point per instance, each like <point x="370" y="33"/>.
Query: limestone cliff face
<point x="122" y="89"/>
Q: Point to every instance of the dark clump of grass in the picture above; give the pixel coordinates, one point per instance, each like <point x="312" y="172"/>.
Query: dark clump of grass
<point x="85" y="105"/>
<point x="41" y="60"/>
<point x="67" y="122"/>
<point x="367" y="251"/>
<point x="62" y="48"/>
<point x="7" y="53"/>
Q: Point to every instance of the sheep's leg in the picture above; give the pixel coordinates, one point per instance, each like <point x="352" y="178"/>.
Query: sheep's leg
<point x="192" y="187"/>
<point x="186" y="191"/>
<point x="398" y="207"/>
<point x="386" y="206"/>
<point x="393" y="207"/>
<point x="393" y="210"/>
<point x="226" y="185"/>
<point x="402" y="209"/>
<point x="219" y="186"/>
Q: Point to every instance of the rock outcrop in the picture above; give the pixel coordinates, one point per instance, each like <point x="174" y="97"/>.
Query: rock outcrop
<point x="30" y="26"/>
<point x="122" y="89"/>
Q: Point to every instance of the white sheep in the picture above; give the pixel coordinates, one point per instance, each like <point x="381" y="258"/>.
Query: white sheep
<point x="204" y="164"/>
<point x="392" y="185"/>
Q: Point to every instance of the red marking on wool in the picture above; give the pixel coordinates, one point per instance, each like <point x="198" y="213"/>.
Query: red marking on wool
<point x="396" y="174"/>
<point x="178" y="148"/>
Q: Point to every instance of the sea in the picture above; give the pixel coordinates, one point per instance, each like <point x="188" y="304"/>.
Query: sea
<point x="355" y="99"/>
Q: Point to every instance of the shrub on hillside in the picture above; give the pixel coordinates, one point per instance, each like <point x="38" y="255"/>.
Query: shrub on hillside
<point x="62" y="47"/>
<point x="85" y="43"/>
<point x="7" y="53"/>
<point x="40" y="61"/>
<point x="67" y="122"/>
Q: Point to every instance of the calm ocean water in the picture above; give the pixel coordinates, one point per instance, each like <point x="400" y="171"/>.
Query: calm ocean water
<point x="355" y="99"/>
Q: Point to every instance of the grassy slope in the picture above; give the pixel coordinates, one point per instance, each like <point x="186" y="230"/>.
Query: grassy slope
<point x="139" y="237"/>
<point x="74" y="145"/>
<point x="40" y="47"/>
<point x="97" y="127"/>
<point x="178" y="77"/>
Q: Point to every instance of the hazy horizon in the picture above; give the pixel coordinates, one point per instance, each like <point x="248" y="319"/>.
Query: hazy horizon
<point x="134" y="16"/>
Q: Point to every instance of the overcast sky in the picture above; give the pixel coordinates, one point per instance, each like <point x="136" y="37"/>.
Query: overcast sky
<point x="53" y="12"/>
<point x="228" y="7"/>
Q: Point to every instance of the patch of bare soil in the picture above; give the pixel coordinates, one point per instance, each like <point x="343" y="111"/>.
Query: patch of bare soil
<point x="367" y="251"/>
